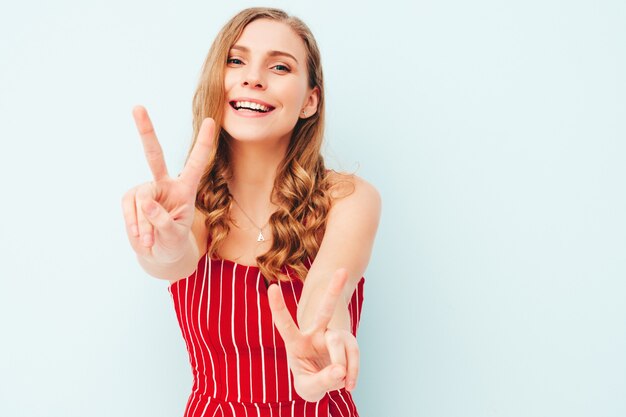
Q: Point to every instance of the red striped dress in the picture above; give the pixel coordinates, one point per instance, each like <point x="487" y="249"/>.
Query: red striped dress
<point x="237" y="356"/>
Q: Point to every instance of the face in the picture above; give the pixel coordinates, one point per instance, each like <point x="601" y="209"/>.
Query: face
<point x="266" y="83"/>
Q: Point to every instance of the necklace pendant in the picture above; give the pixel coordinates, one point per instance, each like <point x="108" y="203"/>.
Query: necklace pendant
<point x="260" y="238"/>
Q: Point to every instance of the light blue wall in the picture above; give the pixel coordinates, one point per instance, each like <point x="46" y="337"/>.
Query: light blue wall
<point x="495" y="132"/>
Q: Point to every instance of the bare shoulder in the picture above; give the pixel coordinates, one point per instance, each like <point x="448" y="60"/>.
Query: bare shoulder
<point x="353" y="221"/>
<point x="351" y="186"/>
<point x="349" y="192"/>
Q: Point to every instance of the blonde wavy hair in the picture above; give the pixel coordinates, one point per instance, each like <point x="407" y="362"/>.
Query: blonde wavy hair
<point x="302" y="187"/>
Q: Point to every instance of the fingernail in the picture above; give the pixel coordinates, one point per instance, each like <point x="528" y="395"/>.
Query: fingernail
<point x="146" y="239"/>
<point x="134" y="230"/>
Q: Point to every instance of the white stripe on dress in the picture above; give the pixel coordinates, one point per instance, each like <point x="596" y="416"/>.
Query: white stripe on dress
<point x="245" y="306"/>
<point x="232" y="327"/>
<point x="275" y="357"/>
<point x="208" y="309"/>
<point x="258" y="300"/>
<point x="336" y="405"/>
<point x="200" y="332"/>
<point x="206" y="407"/>
<point x="219" y="327"/>
<point x="193" y="394"/>
<point x="295" y="299"/>
<point x="196" y="329"/>
<point x="344" y="401"/>
<point x="288" y="367"/>
<point x="293" y="292"/>
<point x="358" y="314"/>
<point x="186" y="343"/>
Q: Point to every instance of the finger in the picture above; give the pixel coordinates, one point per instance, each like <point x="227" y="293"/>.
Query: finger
<point x="130" y="218"/>
<point x="336" y="348"/>
<point x="309" y="388"/>
<point x="151" y="146"/>
<point x="329" y="302"/>
<point x="328" y="379"/>
<point x="200" y="154"/>
<point x="163" y="224"/>
<point x="130" y="215"/>
<point x="352" y="355"/>
<point x="146" y="231"/>
<point x="281" y="316"/>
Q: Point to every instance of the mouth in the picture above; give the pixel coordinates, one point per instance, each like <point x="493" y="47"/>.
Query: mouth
<point x="250" y="107"/>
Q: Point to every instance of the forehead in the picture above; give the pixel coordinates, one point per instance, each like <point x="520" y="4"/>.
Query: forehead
<point x="266" y="35"/>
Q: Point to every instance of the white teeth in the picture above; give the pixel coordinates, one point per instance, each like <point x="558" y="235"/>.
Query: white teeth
<point x="239" y="104"/>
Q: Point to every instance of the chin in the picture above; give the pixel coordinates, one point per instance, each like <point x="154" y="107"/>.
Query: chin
<point x="254" y="134"/>
<point x="251" y="137"/>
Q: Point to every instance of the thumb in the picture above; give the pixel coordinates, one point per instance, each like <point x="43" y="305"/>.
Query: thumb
<point x="312" y="387"/>
<point x="158" y="217"/>
<point x="151" y="209"/>
<point x="332" y="377"/>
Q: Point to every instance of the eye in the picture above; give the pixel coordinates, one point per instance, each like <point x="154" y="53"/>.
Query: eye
<point x="286" y="68"/>
<point x="279" y="67"/>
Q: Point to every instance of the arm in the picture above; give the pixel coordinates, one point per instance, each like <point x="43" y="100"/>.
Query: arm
<point x="184" y="267"/>
<point x="322" y="352"/>
<point x="347" y="243"/>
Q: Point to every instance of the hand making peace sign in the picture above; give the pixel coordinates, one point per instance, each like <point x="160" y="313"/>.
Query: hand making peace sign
<point x="319" y="356"/>
<point x="161" y="212"/>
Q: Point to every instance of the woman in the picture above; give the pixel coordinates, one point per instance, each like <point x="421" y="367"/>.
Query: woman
<point x="263" y="246"/>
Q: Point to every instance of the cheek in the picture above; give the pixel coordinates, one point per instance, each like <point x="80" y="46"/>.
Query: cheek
<point x="293" y="97"/>
<point x="229" y="81"/>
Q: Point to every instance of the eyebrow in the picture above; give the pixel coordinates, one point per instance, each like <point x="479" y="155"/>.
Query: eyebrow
<point x="270" y="53"/>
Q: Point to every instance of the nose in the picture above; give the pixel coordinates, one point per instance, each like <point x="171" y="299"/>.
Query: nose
<point x="253" y="78"/>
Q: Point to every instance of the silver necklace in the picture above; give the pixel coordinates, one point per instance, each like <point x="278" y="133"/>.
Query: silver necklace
<point x="259" y="238"/>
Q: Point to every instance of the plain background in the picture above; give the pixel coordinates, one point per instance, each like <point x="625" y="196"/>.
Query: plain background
<point x="494" y="131"/>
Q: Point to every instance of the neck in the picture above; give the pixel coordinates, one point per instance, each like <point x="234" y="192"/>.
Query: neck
<point x="254" y="167"/>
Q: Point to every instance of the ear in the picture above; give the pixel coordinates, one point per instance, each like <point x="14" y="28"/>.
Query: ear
<point x="310" y="105"/>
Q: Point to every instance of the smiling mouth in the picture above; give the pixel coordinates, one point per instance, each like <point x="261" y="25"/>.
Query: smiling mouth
<point x="246" y="106"/>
